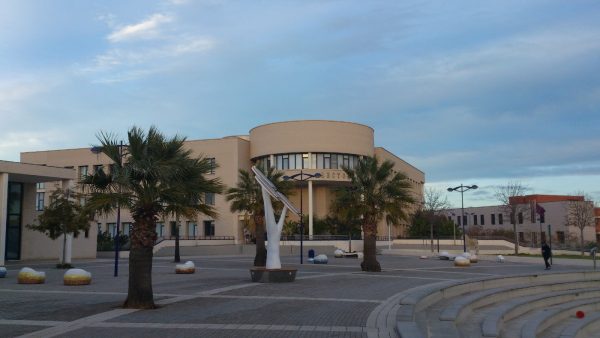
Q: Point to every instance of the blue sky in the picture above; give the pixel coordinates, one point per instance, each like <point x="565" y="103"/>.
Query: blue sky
<point x="470" y="92"/>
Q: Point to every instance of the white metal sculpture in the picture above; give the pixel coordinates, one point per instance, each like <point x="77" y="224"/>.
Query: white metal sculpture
<point x="273" y="228"/>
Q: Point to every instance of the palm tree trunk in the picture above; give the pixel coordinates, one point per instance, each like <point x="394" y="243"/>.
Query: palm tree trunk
<point x="139" y="293"/>
<point x="370" y="262"/>
<point x="177" y="256"/>
<point x="261" y="250"/>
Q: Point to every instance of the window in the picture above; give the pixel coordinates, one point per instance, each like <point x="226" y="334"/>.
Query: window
<point x="482" y="220"/>
<point x="39" y="201"/>
<point x="334" y="162"/>
<point x="520" y="218"/>
<point x="465" y="219"/>
<point x="304" y="161"/>
<point x="160" y="228"/>
<point x="209" y="228"/>
<point x="209" y="198"/>
<point x="326" y="161"/>
<point x="126" y="228"/>
<point x="458" y="219"/>
<point x="98" y="168"/>
<point x="99" y="228"/>
<point x="521" y="236"/>
<point x="213" y="165"/>
<point x="192" y="229"/>
<point x="500" y="220"/>
<point x="40" y="185"/>
<point x="82" y="200"/>
<point x="493" y="219"/>
<point x="474" y="219"/>
<point x="83" y="171"/>
<point x="560" y="235"/>
<point x="112" y="229"/>
<point x="175" y="228"/>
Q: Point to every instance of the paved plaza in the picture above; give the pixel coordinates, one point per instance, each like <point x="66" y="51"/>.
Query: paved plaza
<point x="333" y="300"/>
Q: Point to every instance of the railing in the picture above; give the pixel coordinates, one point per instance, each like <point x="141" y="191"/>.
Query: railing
<point x="319" y="237"/>
<point x="195" y="238"/>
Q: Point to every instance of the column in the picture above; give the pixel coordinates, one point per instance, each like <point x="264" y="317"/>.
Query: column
<point x="67" y="184"/>
<point x="310" y="209"/>
<point x="3" y="214"/>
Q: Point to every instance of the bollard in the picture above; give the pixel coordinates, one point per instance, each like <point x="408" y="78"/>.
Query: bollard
<point x="593" y="253"/>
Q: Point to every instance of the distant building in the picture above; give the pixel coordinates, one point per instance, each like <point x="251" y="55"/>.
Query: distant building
<point x="311" y="146"/>
<point x="530" y="226"/>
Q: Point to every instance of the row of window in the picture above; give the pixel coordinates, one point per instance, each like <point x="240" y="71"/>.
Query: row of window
<point x="83" y="170"/>
<point x="480" y="219"/>
<point x="190" y="230"/>
<point x="209" y="199"/>
<point x="308" y="161"/>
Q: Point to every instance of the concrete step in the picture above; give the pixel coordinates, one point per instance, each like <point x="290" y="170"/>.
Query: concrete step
<point x="544" y="319"/>
<point x="446" y="309"/>
<point x="506" y="311"/>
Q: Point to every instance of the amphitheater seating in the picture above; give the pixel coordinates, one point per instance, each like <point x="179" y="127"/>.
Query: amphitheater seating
<point x="541" y="305"/>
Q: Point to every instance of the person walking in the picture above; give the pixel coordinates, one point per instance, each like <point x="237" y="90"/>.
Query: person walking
<point x="546" y="253"/>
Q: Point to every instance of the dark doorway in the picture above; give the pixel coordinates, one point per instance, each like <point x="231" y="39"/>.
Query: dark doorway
<point x="13" y="224"/>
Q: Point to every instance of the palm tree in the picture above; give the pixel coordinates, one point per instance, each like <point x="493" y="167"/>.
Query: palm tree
<point x="376" y="192"/>
<point x="246" y="197"/>
<point x="155" y="176"/>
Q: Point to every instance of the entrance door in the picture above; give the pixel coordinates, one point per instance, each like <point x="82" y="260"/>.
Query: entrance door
<point x="13" y="225"/>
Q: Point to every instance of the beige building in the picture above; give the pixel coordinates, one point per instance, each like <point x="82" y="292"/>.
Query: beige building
<point x="18" y="203"/>
<point x="311" y="146"/>
<point x="558" y="220"/>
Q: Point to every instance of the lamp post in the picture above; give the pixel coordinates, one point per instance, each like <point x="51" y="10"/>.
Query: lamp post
<point x="462" y="188"/>
<point x="302" y="177"/>
<point x="97" y="150"/>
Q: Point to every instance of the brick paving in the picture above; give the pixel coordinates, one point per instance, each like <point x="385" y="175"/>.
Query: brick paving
<point x="333" y="300"/>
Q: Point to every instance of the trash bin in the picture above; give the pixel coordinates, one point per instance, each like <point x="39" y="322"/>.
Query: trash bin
<point x="311" y="253"/>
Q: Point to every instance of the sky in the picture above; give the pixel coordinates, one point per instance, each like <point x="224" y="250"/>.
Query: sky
<point x="473" y="92"/>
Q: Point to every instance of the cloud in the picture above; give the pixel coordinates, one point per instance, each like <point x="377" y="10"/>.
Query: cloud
<point x="146" y="29"/>
<point x="12" y="143"/>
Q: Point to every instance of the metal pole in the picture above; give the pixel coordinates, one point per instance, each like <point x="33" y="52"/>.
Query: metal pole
<point x="550" y="237"/>
<point x="301" y="223"/>
<point x="462" y="208"/>
<point x="118" y="218"/>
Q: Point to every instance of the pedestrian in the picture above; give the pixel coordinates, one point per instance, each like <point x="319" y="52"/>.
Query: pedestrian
<point x="546" y="253"/>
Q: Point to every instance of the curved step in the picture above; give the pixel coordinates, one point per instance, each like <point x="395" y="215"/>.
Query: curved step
<point x="461" y="307"/>
<point x="420" y="298"/>
<point x="586" y="327"/>
<point x="492" y="325"/>
<point x="544" y="319"/>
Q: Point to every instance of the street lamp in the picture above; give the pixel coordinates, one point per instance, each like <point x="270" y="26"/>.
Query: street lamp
<point x="302" y="177"/>
<point x="97" y="150"/>
<point x="462" y="188"/>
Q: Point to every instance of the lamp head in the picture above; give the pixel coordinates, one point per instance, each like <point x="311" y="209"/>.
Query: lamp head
<point x="96" y="149"/>
<point x="286" y="177"/>
<point x="450" y="189"/>
<point x="474" y="186"/>
<point x="317" y="175"/>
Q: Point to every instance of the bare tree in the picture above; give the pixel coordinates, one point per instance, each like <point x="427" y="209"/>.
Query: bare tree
<point x="434" y="201"/>
<point x="505" y="195"/>
<point x="580" y="214"/>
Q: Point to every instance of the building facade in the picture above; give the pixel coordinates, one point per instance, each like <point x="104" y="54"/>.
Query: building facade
<point x="311" y="146"/>
<point x="531" y="228"/>
<point x="20" y="201"/>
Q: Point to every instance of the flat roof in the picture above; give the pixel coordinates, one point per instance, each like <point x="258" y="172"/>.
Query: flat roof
<point x="35" y="173"/>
